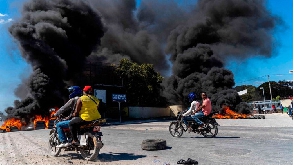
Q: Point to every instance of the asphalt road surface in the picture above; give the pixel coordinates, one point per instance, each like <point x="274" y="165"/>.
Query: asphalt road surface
<point x="239" y="142"/>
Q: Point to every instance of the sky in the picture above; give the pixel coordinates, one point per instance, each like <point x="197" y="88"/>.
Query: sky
<point x="253" y="71"/>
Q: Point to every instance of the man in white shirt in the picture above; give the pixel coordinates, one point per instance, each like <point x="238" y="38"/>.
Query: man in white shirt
<point x="193" y="108"/>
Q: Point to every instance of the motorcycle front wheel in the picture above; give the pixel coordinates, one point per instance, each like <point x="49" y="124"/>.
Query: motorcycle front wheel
<point x="175" y="129"/>
<point x="53" y="142"/>
<point x="90" y="154"/>
<point x="211" y="130"/>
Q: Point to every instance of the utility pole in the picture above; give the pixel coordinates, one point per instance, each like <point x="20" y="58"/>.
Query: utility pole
<point x="269" y="89"/>
<point x="263" y="93"/>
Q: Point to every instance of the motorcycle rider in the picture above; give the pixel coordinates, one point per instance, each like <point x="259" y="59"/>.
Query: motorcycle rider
<point x="86" y="111"/>
<point x="67" y="110"/>
<point x="190" y="112"/>
<point x="205" y="108"/>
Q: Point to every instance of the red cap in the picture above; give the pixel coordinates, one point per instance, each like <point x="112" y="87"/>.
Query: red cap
<point x="87" y="88"/>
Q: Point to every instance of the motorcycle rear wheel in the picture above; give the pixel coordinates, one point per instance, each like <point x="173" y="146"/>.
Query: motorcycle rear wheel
<point x="175" y="129"/>
<point x="211" y="130"/>
<point x="92" y="155"/>
<point x="52" y="143"/>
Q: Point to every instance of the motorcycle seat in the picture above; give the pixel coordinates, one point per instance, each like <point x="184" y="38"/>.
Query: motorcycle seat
<point x="93" y="123"/>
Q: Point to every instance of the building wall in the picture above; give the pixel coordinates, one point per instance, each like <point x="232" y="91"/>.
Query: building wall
<point x="148" y="112"/>
<point x="153" y="112"/>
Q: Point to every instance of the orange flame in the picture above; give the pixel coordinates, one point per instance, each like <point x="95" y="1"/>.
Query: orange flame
<point x="12" y="122"/>
<point x="39" y="118"/>
<point x="15" y="122"/>
<point x="229" y="114"/>
<point x="53" y="111"/>
<point x="45" y="119"/>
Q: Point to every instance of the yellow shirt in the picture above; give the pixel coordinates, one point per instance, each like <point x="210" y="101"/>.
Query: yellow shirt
<point x="89" y="110"/>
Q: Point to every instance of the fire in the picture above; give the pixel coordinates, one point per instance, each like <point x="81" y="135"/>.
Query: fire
<point x="12" y="122"/>
<point x="53" y="111"/>
<point x="15" y="122"/>
<point x="45" y="119"/>
<point x="39" y="118"/>
<point x="229" y="114"/>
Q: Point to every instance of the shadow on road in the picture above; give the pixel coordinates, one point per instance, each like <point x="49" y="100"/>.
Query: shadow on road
<point x="215" y="137"/>
<point x="105" y="157"/>
<point x="112" y="122"/>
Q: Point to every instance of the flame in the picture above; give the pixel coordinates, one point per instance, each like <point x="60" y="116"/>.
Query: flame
<point x="229" y="114"/>
<point x="53" y="111"/>
<point x="39" y="118"/>
<point x="12" y="122"/>
<point x="15" y="122"/>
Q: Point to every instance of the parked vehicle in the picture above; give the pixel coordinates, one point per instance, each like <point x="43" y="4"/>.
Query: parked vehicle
<point x="89" y="137"/>
<point x="210" y="128"/>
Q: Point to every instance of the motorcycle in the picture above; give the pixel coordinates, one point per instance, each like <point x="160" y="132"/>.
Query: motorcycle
<point x="210" y="128"/>
<point x="89" y="137"/>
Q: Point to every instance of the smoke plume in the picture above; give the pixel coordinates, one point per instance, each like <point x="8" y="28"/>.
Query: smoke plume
<point x="57" y="37"/>
<point x="216" y="29"/>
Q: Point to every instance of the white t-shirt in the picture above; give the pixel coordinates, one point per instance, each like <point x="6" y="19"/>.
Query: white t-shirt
<point x="194" y="106"/>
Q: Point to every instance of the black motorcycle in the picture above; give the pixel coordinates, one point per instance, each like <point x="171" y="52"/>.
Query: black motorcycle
<point x="210" y="128"/>
<point x="89" y="138"/>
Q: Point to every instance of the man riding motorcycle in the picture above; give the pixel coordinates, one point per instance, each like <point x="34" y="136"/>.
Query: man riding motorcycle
<point x="67" y="110"/>
<point x="86" y="111"/>
<point x="205" y="108"/>
<point x="190" y="112"/>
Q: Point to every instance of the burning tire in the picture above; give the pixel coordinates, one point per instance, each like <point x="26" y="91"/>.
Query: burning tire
<point x="153" y="144"/>
<point x="53" y="142"/>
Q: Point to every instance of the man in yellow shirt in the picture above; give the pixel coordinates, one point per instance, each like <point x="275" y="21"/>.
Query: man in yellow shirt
<point x="86" y="110"/>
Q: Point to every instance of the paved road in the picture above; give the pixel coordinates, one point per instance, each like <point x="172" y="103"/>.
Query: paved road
<point x="239" y="142"/>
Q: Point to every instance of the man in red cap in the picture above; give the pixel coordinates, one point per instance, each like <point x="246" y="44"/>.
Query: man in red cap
<point x="86" y="111"/>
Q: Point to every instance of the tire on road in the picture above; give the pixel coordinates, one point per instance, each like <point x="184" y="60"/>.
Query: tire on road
<point x="153" y="144"/>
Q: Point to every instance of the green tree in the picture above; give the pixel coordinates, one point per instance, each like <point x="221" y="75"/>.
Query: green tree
<point x="142" y="84"/>
<point x="283" y="89"/>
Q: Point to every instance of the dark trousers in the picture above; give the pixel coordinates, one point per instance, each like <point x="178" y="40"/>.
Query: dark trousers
<point x="74" y="125"/>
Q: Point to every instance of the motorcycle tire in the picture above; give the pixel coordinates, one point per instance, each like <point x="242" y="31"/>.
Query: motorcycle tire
<point x="175" y="129"/>
<point x="52" y="143"/>
<point x="91" y="155"/>
<point x="210" y="130"/>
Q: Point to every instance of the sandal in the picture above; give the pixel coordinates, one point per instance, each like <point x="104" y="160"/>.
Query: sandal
<point x="191" y="162"/>
<point x="181" y="161"/>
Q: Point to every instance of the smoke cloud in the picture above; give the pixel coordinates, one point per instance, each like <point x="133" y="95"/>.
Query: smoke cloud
<point x="216" y="29"/>
<point x="57" y="37"/>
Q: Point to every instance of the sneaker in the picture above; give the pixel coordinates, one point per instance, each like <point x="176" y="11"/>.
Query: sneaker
<point x="63" y="145"/>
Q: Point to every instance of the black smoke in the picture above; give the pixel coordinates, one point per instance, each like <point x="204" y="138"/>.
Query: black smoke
<point x="57" y="37"/>
<point x="54" y="37"/>
<point x="215" y="31"/>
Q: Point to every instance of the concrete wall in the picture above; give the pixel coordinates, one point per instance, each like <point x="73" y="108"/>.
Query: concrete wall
<point x="153" y="112"/>
<point x="148" y="112"/>
<point x="174" y="109"/>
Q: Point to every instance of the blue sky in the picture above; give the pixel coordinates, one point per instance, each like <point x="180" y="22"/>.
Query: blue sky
<point x="253" y="71"/>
